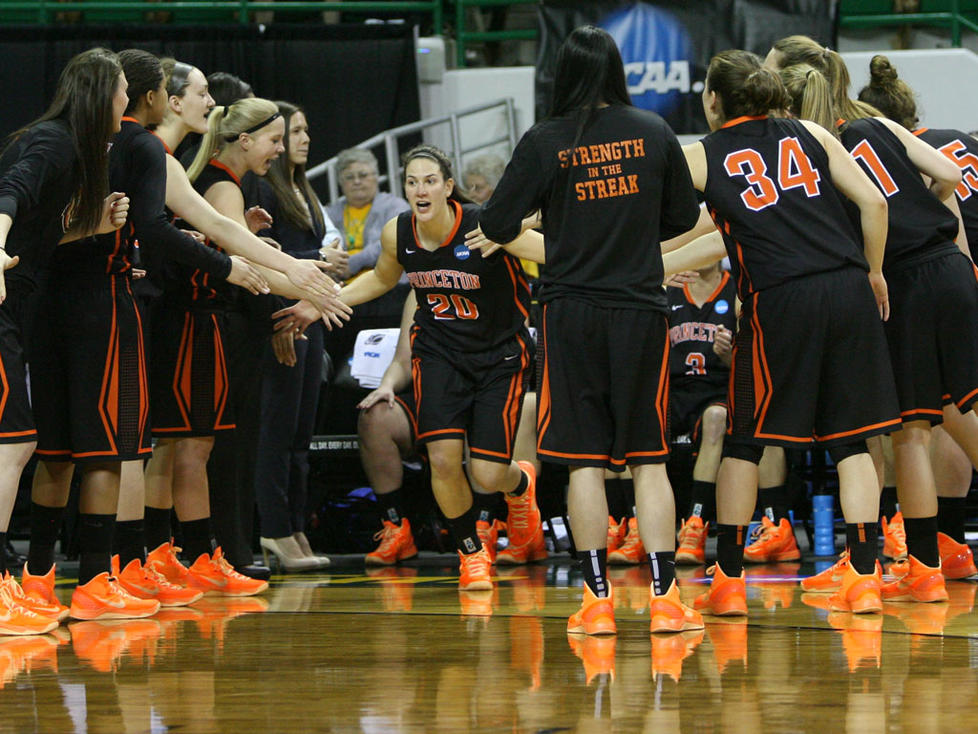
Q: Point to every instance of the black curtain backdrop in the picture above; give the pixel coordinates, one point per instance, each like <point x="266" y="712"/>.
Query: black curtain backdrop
<point x="354" y="81"/>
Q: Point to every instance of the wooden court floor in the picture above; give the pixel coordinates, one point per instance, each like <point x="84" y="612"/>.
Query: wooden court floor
<point x="401" y="650"/>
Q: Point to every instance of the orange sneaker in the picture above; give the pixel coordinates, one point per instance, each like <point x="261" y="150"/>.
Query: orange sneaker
<point x="145" y="582"/>
<point x="727" y="596"/>
<point x="829" y="580"/>
<point x="957" y="560"/>
<point x="669" y="614"/>
<point x="919" y="583"/>
<point x="213" y="574"/>
<point x="774" y="543"/>
<point x="103" y="598"/>
<point x="164" y="560"/>
<point x="616" y="533"/>
<point x="396" y="544"/>
<point x="596" y="615"/>
<point x="596" y="653"/>
<point x="474" y="571"/>
<point x="692" y="542"/>
<point x="55" y="611"/>
<point x="669" y="652"/>
<point x="41" y="588"/>
<point x="858" y="593"/>
<point x="631" y="551"/>
<point x="489" y="535"/>
<point x="19" y="620"/>
<point x="729" y="640"/>
<point x="894" y="537"/>
<point x="523" y="524"/>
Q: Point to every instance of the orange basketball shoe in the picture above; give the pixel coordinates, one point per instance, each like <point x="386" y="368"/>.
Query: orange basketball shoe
<point x="144" y="582"/>
<point x="727" y="596"/>
<point x="829" y="580"/>
<point x="669" y="614"/>
<point x="596" y="615"/>
<point x="19" y="620"/>
<point x="858" y="593"/>
<point x="103" y="598"/>
<point x="616" y="533"/>
<point x="692" y="542"/>
<point x="774" y="543"/>
<point x="164" y="560"/>
<point x="919" y="583"/>
<point x="396" y="544"/>
<point x="957" y="560"/>
<point x="489" y="535"/>
<point x="474" y="571"/>
<point x="523" y="524"/>
<point x="631" y="552"/>
<point x="41" y="588"/>
<point x="894" y="537"/>
<point x="55" y="611"/>
<point x="669" y="652"/>
<point x="213" y="574"/>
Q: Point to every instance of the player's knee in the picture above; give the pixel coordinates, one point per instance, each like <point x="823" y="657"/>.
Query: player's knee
<point x="444" y="464"/>
<point x="743" y="451"/>
<point x="714" y="424"/>
<point x="488" y="474"/>
<point x="839" y="453"/>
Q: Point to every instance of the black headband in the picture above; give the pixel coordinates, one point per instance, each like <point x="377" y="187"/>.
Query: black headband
<point x="231" y="137"/>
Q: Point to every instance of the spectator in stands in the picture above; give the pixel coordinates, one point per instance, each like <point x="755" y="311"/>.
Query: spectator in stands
<point x="481" y="175"/>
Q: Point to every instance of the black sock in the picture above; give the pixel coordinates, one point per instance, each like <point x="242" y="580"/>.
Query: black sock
<point x="3" y="553"/>
<point x="628" y="494"/>
<point x="521" y="487"/>
<point x="45" y="528"/>
<point x="703" y="501"/>
<point x="94" y="545"/>
<point x="862" y="542"/>
<point x="197" y="538"/>
<point x="888" y="503"/>
<point x="922" y="539"/>
<point x="130" y="542"/>
<point x="594" y="564"/>
<point x="663" y="565"/>
<point x="730" y="548"/>
<point x="773" y="502"/>
<point x="156" y="526"/>
<point x="463" y="528"/>
<point x="485" y="506"/>
<point x="617" y="504"/>
<point x="390" y="506"/>
<point x="950" y="517"/>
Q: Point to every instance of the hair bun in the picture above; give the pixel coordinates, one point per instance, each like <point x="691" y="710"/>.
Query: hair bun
<point x="881" y="71"/>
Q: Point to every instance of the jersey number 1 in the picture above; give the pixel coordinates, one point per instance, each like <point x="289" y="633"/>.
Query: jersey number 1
<point x="794" y="170"/>
<point x="444" y="308"/>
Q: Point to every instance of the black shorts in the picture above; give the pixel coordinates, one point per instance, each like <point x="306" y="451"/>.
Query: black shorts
<point x="476" y="396"/>
<point x="16" y="418"/>
<point x="89" y="386"/>
<point x="604" y="386"/>
<point x="188" y="374"/>
<point x="810" y="363"/>
<point x="687" y="405"/>
<point x="406" y="401"/>
<point x="933" y="336"/>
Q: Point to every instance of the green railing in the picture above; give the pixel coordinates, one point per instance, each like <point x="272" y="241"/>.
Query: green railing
<point x="951" y="18"/>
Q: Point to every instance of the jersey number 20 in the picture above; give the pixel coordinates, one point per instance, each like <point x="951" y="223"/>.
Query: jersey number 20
<point x="444" y="308"/>
<point x="794" y="170"/>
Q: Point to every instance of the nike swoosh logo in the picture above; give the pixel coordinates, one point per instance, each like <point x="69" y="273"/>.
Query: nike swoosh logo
<point x="676" y="308"/>
<point x="513" y="356"/>
<point x="408" y="252"/>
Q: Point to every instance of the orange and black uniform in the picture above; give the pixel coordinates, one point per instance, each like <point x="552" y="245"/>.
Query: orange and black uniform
<point x="698" y="378"/>
<point x="39" y="179"/>
<point x="931" y="282"/>
<point x="809" y="359"/>
<point x="470" y="350"/>
<point x="606" y="202"/>
<point x="963" y="150"/>
<point x="188" y="373"/>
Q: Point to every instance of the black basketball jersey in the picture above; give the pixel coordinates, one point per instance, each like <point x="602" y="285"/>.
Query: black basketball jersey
<point x="769" y="192"/>
<point x="963" y="150"/>
<point x="465" y="302"/>
<point x="692" y="329"/>
<point x="920" y="226"/>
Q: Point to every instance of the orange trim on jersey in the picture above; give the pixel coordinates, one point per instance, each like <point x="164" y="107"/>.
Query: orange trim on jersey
<point x="595" y="457"/>
<point x="840" y="122"/>
<point x="662" y="393"/>
<point x="181" y="374"/>
<point x="126" y="118"/>
<point x="4" y="389"/>
<point x="855" y="431"/>
<point x="142" y="371"/>
<point x="763" y="385"/>
<point x="661" y="452"/>
<point x="743" y="271"/>
<point x="53" y="452"/>
<point x="440" y="431"/>
<point x="742" y="118"/>
<point x="165" y="146"/>
<point x="108" y="399"/>
<point x="964" y="401"/>
<point x="723" y="281"/>
<point x="487" y="452"/>
<point x="451" y="235"/>
<point x="221" y="387"/>
<point x="12" y="434"/>
<point x="921" y="411"/>
<point x="412" y="419"/>
<point x="518" y="280"/>
<point x="416" y="375"/>
<point x="217" y="164"/>
<point x="543" y="398"/>
<point x="920" y="131"/>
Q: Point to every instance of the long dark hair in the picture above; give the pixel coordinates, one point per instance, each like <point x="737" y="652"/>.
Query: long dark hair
<point x="143" y="74"/>
<point x="589" y="72"/>
<point x="744" y="86"/>
<point x="83" y="100"/>
<point x="226" y="88"/>
<point x="278" y="177"/>
<point x="444" y="164"/>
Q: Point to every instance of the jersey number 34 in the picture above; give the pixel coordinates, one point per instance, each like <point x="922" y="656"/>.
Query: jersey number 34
<point x="795" y="170"/>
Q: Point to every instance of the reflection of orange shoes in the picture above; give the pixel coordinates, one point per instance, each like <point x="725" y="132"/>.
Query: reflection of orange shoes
<point x="474" y="571"/>
<point x="489" y="535"/>
<point x="597" y="654"/>
<point x="669" y="652"/>
<point x="218" y="611"/>
<point x="41" y="588"/>
<point x="894" y="537"/>
<point x="56" y="610"/>
<point x="529" y="586"/>
<point x="19" y="620"/>
<point x="919" y="583"/>
<point x="20" y="653"/>
<point x="396" y="544"/>
<point x="862" y="638"/>
<point x="476" y="603"/>
<point x="164" y="560"/>
<point x="523" y="524"/>
<point x="144" y="582"/>
<point x="774" y="591"/>
<point x="526" y="647"/>
<point x="858" y="593"/>
<point x="830" y="579"/>
<point x="596" y="615"/>
<point x="774" y="543"/>
<point x="669" y="614"/>
<point x="920" y="619"/>
<point x="213" y="574"/>
<point x="729" y="640"/>
<point x="102" y="643"/>
<point x="616" y="533"/>
<point x="727" y="596"/>
<point x="692" y="541"/>
<point x="396" y="585"/>
<point x="631" y="551"/>
<point x="103" y="598"/>
<point x="957" y="560"/>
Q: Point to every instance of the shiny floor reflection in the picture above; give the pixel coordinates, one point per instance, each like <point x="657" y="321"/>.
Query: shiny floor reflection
<point x="401" y="650"/>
